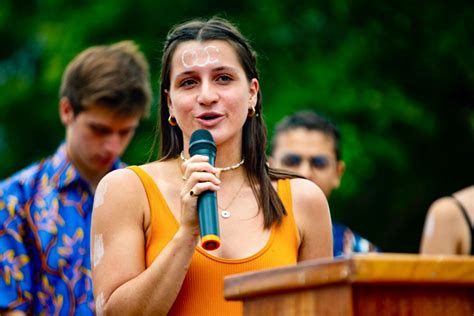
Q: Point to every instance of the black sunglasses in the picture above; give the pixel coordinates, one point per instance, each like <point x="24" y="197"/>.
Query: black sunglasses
<point x="293" y="160"/>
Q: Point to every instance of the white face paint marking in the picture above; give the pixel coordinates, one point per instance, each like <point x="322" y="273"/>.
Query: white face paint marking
<point x="98" y="249"/>
<point x="99" y="196"/>
<point x="430" y="225"/>
<point x="99" y="305"/>
<point x="200" y="57"/>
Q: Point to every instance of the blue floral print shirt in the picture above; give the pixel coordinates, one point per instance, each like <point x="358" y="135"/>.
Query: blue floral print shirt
<point x="346" y="242"/>
<point x="45" y="216"/>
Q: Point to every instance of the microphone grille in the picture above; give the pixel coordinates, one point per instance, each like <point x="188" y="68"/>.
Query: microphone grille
<point x="201" y="139"/>
<point x="201" y="134"/>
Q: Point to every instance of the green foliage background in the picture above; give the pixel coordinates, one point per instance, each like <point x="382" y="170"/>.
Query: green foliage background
<point x="398" y="79"/>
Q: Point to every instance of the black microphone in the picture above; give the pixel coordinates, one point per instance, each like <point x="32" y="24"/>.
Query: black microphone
<point x="202" y="143"/>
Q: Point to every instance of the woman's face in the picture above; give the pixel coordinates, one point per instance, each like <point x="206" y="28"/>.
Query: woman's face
<point x="209" y="90"/>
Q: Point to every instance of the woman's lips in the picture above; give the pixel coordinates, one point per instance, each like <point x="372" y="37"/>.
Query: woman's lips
<point x="209" y="119"/>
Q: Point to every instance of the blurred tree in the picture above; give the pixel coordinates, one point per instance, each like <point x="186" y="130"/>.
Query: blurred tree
<point x="398" y="78"/>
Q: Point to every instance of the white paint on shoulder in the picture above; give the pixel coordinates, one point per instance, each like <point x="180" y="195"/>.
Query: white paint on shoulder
<point x="99" y="196"/>
<point x="99" y="305"/>
<point x="98" y="249"/>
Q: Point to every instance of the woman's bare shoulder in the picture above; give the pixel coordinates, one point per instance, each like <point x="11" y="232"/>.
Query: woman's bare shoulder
<point x="125" y="178"/>
<point x="306" y="191"/>
<point x="309" y="201"/>
<point x="127" y="175"/>
<point x="118" y="190"/>
<point x="445" y="210"/>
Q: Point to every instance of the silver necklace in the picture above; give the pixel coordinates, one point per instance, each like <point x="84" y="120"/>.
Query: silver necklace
<point x="220" y="169"/>
<point x="225" y="213"/>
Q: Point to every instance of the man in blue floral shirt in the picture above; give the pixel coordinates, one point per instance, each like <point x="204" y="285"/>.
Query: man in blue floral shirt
<point x="45" y="209"/>
<point x="309" y="144"/>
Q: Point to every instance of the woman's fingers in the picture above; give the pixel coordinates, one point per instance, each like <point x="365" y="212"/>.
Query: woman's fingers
<point x="199" y="188"/>
<point x="198" y="176"/>
<point x="199" y="162"/>
<point x="197" y="169"/>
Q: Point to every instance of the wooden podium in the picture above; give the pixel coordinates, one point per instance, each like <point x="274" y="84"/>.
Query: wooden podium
<point x="369" y="284"/>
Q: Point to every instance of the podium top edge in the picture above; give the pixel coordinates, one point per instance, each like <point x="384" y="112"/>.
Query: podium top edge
<point x="374" y="268"/>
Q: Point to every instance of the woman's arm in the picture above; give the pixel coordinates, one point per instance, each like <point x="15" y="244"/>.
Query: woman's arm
<point x="313" y="220"/>
<point x="122" y="284"/>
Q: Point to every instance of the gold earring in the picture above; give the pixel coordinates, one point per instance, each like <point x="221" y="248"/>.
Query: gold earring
<point x="172" y="121"/>
<point x="252" y="111"/>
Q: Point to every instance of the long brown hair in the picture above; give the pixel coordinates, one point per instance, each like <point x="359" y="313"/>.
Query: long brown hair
<point x="254" y="136"/>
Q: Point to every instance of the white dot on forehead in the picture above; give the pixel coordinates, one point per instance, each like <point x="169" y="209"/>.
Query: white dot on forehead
<point x="200" y="57"/>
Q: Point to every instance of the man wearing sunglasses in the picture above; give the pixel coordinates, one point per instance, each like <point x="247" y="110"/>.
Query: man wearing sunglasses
<point x="309" y="144"/>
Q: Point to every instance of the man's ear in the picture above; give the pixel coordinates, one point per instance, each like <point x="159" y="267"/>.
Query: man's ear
<point x="66" y="112"/>
<point x="271" y="161"/>
<point x="340" y="169"/>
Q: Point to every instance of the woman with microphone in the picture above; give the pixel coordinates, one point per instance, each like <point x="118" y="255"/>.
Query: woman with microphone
<point x="147" y="252"/>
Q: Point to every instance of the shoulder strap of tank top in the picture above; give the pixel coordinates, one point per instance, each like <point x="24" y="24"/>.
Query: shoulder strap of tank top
<point x="147" y="182"/>
<point x="468" y="220"/>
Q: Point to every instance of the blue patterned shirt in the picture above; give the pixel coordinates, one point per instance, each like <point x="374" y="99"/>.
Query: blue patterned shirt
<point x="45" y="216"/>
<point x="346" y="242"/>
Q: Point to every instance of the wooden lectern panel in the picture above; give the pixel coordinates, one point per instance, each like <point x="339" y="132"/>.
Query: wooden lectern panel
<point x="364" y="284"/>
<point x="414" y="300"/>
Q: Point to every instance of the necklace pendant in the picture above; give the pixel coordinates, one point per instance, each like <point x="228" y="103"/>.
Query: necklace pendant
<point x="225" y="214"/>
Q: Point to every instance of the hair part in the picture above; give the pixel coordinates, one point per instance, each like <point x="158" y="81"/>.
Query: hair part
<point x="114" y="76"/>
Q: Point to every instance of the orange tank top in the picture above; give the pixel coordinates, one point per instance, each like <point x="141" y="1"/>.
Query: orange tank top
<point x="202" y="292"/>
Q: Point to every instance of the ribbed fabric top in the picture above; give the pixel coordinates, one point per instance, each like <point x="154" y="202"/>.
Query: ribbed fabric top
<point x="202" y="292"/>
